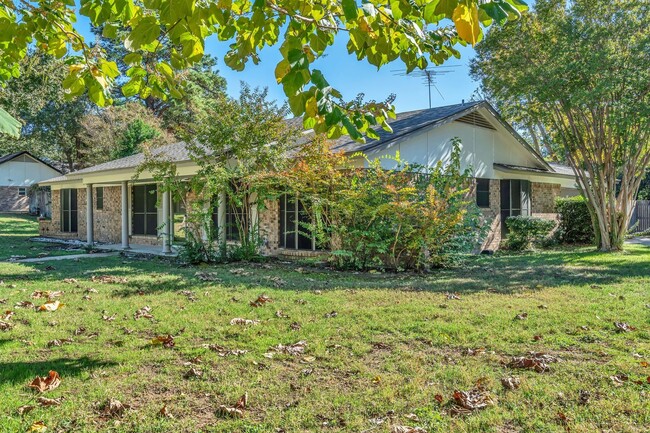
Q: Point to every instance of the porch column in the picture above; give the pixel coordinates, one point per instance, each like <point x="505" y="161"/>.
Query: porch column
<point x="125" y="215"/>
<point x="167" y="249"/>
<point x="221" y="217"/>
<point x="89" y="215"/>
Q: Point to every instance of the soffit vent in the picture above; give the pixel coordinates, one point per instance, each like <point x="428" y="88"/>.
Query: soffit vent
<point x="475" y="118"/>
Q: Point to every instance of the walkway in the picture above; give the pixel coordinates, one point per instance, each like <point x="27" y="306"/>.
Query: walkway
<point x="68" y="257"/>
<point x="644" y="240"/>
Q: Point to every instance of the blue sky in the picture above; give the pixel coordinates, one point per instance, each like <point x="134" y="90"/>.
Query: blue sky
<point x="347" y="74"/>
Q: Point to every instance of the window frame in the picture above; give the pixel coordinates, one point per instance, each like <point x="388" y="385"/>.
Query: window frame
<point x="146" y="212"/>
<point x="231" y="228"/>
<point x="68" y="214"/>
<point x="290" y="210"/>
<point x="485" y="183"/>
<point x="22" y="191"/>
<point x="99" y="197"/>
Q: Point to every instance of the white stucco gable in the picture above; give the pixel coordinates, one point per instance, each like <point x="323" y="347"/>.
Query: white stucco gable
<point x="24" y="170"/>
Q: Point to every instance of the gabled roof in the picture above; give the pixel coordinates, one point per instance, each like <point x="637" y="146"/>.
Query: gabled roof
<point x="12" y="156"/>
<point x="413" y="121"/>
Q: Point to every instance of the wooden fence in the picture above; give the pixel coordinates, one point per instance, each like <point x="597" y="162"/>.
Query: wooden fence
<point x="640" y="220"/>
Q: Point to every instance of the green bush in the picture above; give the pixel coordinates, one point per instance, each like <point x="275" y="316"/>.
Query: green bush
<point x="575" y="221"/>
<point x="523" y="231"/>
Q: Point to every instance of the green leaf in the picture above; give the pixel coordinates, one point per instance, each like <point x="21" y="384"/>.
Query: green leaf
<point x="109" y="31"/>
<point x="350" y="9"/>
<point x="132" y="87"/>
<point x="281" y="70"/>
<point x="318" y="79"/>
<point x="133" y="59"/>
<point x="145" y="32"/>
<point x="109" y="68"/>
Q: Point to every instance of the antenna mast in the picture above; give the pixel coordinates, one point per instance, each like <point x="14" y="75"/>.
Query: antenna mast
<point x="428" y="76"/>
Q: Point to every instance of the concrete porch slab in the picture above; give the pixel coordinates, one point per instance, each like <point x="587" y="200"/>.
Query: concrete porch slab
<point x="68" y="257"/>
<point x="155" y="250"/>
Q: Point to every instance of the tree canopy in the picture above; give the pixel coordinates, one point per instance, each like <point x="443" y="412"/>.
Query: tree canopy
<point x="414" y="32"/>
<point x="580" y="71"/>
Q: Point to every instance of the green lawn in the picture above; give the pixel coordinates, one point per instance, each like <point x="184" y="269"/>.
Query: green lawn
<point x="395" y="343"/>
<point x="15" y="231"/>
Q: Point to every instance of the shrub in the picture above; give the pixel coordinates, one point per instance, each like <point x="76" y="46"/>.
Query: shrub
<point x="575" y="221"/>
<point x="523" y="231"/>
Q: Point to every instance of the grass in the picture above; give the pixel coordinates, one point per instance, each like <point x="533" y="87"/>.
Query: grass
<point x="395" y="343"/>
<point x="16" y="230"/>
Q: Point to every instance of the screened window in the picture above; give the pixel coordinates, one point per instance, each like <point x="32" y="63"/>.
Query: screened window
<point x="69" y="210"/>
<point x="22" y="191"/>
<point x="99" y="192"/>
<point x="294" y="221"/>
<point x="145" y="213"/>
<point x="483" y="192"/>
<point x="515" y="199"/>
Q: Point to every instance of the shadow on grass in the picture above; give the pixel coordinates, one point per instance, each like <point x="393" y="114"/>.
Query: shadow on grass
<point x="18" y="372"/>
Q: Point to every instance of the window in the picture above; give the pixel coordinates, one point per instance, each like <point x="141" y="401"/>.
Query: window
<point x="99" y="192"/>
<point x="69" y="210"/>
<point x="236" y="218"/>
<point x="515" y="200"/>
<point x="145" y="213"/>
<point x="22" y="191"/>
<point x="483" y="192"/>
<point x="294" y="219"/>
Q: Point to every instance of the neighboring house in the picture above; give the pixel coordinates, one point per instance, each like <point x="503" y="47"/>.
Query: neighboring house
<point x="18" y="173"/>
<point x="511" y="179"/>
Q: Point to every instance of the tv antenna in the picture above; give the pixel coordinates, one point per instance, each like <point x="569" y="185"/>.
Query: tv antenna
<point x="428" y="76"/>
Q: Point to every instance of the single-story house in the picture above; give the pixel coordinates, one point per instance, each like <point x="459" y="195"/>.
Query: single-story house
<point x="103" y="203"/>
<point x="18" y="173"/>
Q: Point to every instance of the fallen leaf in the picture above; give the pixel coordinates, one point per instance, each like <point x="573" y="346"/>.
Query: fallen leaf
<point x="242" y="402"/>
<point x="584" y="396"/>
<point x="224" y="411"/>
<point x="535" y="361"/>
<point x="474" y="352"/>
<point x="144" y="312"/>
<point x="109" y="318"/>
<point x="113" y="408"/>
<point x="207" y="276"/>
<point x="70" y="281"/>
<point x="59" y="343"/>
<point x="240" y="321"/>
<point x="223" y="351"/>
<point x="45" y="402"/>
<point x="452" y="296"/>
<point x="510" y="382"/>
<point x="537" y="337"/>
<point x="623" y="327"/>
<point x="474" y="399"/>
<point x="643" y="364"/>
<point x="543" y="307"/>
<point x="42" y="384"/>
<point x="165" y="413"/>
<point x="7" y="315"/>
<point x="166" y="340"/>
<point x="261" y="300"/>
<point x="281" y="315"/>
<point x="108" y="279"/>
<point x="331" y="314"/>
<point x="50" y="306"/>
<point x="5" y="326"/>
<point x="193" y="372"/>
<point x="376" y="380"/>
<point x="521" y="316"/>
<point x="292" y="349"/>
<point x="24" y="410"/>
<point x="38" y="426"/>
<point x="79" y="331"/>
<point x="240" y="272"/>
<point x="619" y="379"/>
<point x="24" y="304"/>
<point x="438" y="398"/>
<point x="295" y="326"/>
<point x="406" y="429"/>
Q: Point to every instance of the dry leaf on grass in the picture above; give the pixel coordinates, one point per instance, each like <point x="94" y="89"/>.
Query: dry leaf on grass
<point x="511" y="382"/>
<point x="292" y="349"/>
<point x="331" y="314"/>
<point x="521" y="316"/>
<point x="90" y="290"/>
<point x="280" y="314"/>
<point x="224" y="351"/>
<point x="584" y="397"/>
<point x="24" y="304"/>
<point x="468" y="401"/>
<point x="474" y="352"/>
<point x="240" y="272"/>
<point x="24" y="410"/>
<point x="7" y="315"/>
<point x="50" y="306"/>
<point x="623" y="327"/>
<point x="406" y="429"/>
<point x="108" y="279"/>
<point x="165" y="413"/>
<point x="144" y="312"/>
<point x="38" y="427"/>
<point x="261" y="300"/>
<point x="3" y="300"/>
<point x="295" y="326"/>
<point x="619" y="379"/>
<point x="240" y="321"/>
<point x="452" y="296"/>
<point x="59" y="343"/>
<point x="113" y="408"/>
<point x="208" y="276"/>
<point x="232" y="412"/>
<point x="166" y="340"/>
<point x="192" y="373"/>
<point x="535" y="361"/>
<point x="46" y="402"/>
<point x="109" y="318"/>
<point x="70" y="281"/>
<point x="242" y="402"/>
<point x="48" y="383"/>
<point x="5" y="326"/>
<point x="79" y="331"/>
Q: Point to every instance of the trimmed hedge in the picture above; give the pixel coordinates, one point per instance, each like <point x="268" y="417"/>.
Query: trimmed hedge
<point x="523" y="231"/>
<point x="575" y="221"/>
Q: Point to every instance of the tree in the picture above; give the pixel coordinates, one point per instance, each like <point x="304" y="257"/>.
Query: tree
<point x="50" y="120"/>
<point x="581" y="69"/>
<point x="414" y="32"/>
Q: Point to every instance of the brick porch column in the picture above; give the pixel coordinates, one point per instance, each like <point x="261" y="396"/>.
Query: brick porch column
<point x="125" y="215"/>
<point x="89" y="215"/>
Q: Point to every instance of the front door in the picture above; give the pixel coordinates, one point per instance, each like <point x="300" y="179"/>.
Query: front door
<point x="515" y="200"/>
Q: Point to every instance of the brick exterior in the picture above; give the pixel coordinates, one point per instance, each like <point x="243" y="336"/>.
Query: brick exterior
<point x="108" y="221"/>
<point x="492" y="216"/>
<point x="269" y="226"/>
<point x="543" y="197"/>
<point x="10" y="201"/>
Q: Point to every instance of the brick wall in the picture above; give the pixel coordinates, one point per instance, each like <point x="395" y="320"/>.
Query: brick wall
<point x="108" y="221"/>
<point x="492" y="216"/>
<point x="10" y="201"/>
<point x="543" y="197"/>
<point x="52" y="227"/>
